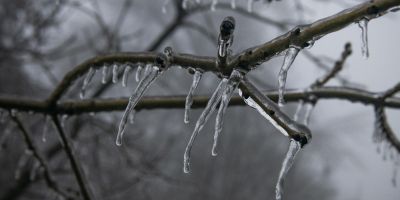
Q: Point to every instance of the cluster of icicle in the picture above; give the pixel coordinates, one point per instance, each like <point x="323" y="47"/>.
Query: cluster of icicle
<point x="384" y="146"/>
<point x="187" y="4"/>
<point x="221" y="95"/>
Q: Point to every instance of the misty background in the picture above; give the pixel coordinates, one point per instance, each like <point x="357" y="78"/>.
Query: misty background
<point x="42" y="40"/>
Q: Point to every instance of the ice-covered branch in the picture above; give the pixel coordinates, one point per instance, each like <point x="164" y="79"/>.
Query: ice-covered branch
<point x="72" y="107"/>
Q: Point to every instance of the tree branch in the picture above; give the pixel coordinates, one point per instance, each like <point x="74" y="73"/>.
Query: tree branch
<point x="76" y="167"/>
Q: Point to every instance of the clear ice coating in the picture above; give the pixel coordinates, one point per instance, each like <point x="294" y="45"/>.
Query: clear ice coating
<point x="135" y="97"/>
<point x="86" y="81"/>
<point x="363" y="24"/>
<point x="208" y="110"/>
<point x="125" y="75"/>
<point x="138" y="72"/>
<point x="291" y="54"/>
<point x="214" y="5"/>
<point x="189" y="98"/>
<point x="233" y="4"/>
<point x="23" y="160"/>
<point x="232" y="84"/>
<point x="104" y="74"/>
<point x="115" y="73"/>
<point x="45" y="128"/>
<point x="294" y="148"/>
<point x="250" y="5"/>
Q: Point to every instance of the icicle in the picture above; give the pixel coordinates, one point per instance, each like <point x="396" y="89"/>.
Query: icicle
<point x="214" y="4"/>
<point x="184" y="4"/>
<point x="34" y="171"/>
<point x="86" y="81"/>
<point x="164" y="7"/>
<point x="396" y="165"/>
<point x="45" y="128"/>
<point x="189" y="98"/>
<point x="14" y="112"/>
<point x="63" y="119"/>
<point x="21" y="163"/>
<point x="363" y="24"/>
<point x="309" y="107"/>
<point x="104" y="74"/>
<point x="138" y="72"/>
<point x="134" y="99"/>
<point x="233" y="4"/>
<point x="125" y="75"/>
<point x="294" y="148"/>
<point x="250" y="5"/>
<point x="132" y="116"/>
<point x="287" y="62"/>
<point x="223" y="105"/>
<point x="115" y="73"/>
<point x="296" y="115"/>
<point x="208" y="110"/>
<point x="3" y="116"/>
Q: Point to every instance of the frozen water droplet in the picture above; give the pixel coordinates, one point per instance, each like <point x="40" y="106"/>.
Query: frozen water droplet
<point x="287" y="62"/>
<point x="132" y="116"/>
<point x="294" y="148"/>
<point x="232" y="84"/>
<point x="208" y="110"/>
<point x="233" y="4"/>
<point x="14" y="112"/>
<point x="250" y="5"/>
<point x="138" y="72"/>
<point x="104" y="74"/>
<point x="189" y="98"/>
<point x="213" y="5"/>
<point x="363" y="24"/>
<point x="125" y="75"/>
<point x="86" y="81"/>
<point x="135" y="97"/>
<point x="45" y="128"/>
<point x="115" y="73"/>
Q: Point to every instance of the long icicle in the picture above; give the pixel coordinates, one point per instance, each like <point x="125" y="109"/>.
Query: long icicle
<point x="208" y="110"/>
<point x="363" y="24"/>
<point x="287" y="62"/>
<point x="294" y="148"/>
<point x="86" y="81"/>
<point x="138" y="72"/>
<point x="125" y="75"/>
<point x="45" y="128"/>
<point x="143" y="85"/>
<point x="189" y="98"/>
<point x="232" y="84"/>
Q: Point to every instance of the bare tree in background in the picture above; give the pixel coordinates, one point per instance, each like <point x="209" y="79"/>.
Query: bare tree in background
<point x="60" y="63"/>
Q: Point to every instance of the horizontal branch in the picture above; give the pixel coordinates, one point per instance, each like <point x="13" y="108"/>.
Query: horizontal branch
<point x="177" y="102"/>
<point x="304" y="35"/>
<point x="300" y="36"/>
